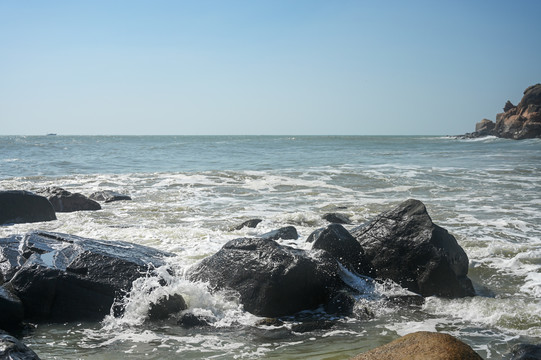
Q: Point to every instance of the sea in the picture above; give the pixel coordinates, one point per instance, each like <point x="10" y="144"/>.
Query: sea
<point x="190" y="192"/>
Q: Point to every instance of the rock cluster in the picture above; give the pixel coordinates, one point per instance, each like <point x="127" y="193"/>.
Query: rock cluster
<point x="522" y="121"/>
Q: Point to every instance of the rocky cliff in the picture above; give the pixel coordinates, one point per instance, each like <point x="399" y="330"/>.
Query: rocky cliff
<point x="522" y="121"/>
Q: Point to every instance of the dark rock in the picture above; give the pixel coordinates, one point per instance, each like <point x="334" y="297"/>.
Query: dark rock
<point x="189" y="320"/>
<point x="485" y="127"/>
<point x="61" y="277"/>
<point x="337" y="218"/>
<point x="525" y="352"/>
<point x="422" y="345"/>
<point x="508" y="106"/>
<point x="252" y="223"/>
<point x="341" y="245"/>
<point x="404" y="245"/>
<point x="11" y="310"/>
<point x="18" y="206"/>
<point x="65" y="201"/>
<point x="13" y="349"/>
<point x="271" y="280"/>
<point x="314" y="235"/>
<point x="108" y="196"/>
<point x="406" y="300"/>
<point x="270" y="322"/>
<point x="308" y="326"/>
<point x="166" y="306"/>
<point x="341" y="304"/>
<point x="285" y="233"/>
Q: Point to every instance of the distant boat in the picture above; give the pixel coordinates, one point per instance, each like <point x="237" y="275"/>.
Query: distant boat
<point x="51" y="134"/>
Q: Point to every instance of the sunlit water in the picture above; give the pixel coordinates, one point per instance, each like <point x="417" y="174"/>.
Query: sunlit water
<point x="189" y="193"/>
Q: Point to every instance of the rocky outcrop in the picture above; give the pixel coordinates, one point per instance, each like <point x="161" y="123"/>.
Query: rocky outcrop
<point x="108" y="196"/>
<point x="516" y="122"/>
<point x="271" y="280"/>
<point x="404" y="245"/>
<point x="61" y="277"/>
<point x="422" y="345"/>
<point x="13" y="349"/>
<point x="65" y="201"/>
<point x="18" y="206"/>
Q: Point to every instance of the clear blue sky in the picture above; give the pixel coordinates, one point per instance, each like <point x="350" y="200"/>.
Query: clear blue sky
<point x="263" y="67"/>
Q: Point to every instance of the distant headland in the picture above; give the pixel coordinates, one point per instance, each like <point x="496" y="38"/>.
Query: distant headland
<point x="522" y="121"/>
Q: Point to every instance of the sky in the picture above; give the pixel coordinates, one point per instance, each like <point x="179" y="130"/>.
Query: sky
<point x="263" y="67"/>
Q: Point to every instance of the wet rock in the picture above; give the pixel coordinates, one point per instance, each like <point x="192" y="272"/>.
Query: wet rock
<point x="108" y="196"/>
<point x="166" y="306"/>
<point x="13" y="349"/>
<point x="60" y="277"/>
<point x="314" y="235"/>
<point x="271" y="280"/>
<point x="404" y="245"/>
<point x="422" y="345"/>
<point x="11" y="310"/>
<point x="189" y="320"/>
<point x="270" y="322"/>
<point x="341" y="245"/>
<point x="341" y="304"/>
<point x="309" y="326"/>
<point x="252" y="223"/>
<point x="285" y="233"/>
<point x="65" y="201"/>
<point x="336" y="218"/>
<point x="525" y="352"/>
<point x="18" y="206"/>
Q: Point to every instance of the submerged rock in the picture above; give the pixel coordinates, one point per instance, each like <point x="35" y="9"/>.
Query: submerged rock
<point x="271" y="280"/>
<point x="65" y="201"/>
<point x="108" y="196"/>
<point x="19" y="206"/>
<point x="189" y="320"/>
<point x="285" y="233"/>
<point x="336" y="218"/>
<point x="404" y="245"/>
<point x="525" y="352"/>
<point x="252" y="223"/>
<point x="61" y="277"/>
<point x="13" y="349"/>
<point x="166" y="306"/>
<point x="422" y="345"/>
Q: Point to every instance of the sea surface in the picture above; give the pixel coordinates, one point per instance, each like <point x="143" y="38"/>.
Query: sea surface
<point x="189" y="192"/>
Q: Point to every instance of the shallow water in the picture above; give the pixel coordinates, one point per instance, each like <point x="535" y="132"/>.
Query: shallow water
<point x="189" y="192"/>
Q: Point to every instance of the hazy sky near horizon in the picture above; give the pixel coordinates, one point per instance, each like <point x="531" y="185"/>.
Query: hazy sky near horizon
<point x="263" y="67"/>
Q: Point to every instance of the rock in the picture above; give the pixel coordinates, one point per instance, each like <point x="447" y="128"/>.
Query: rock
<point x="13" y="349"/>
<point x="108" y="196"/>
<point x="11" y="310"/>
<point x="405" y="246"/>
<point x="341" y="245"/>
<point x="525" y="352"/>
<point x="314" y="235"/>
<point x="422" y="345"/>
<point x="516" y="122"/>
<point x="252" y="223"/>
<point x="271" y="280"/>
<point x="336" y="218"/>
<point x="18" y="206"/>
<point x="166" y="306"/>
<point x="189" y="320"/>
<point x="285" y="233"/>
<point x="341" y="304"/>
<point x="508" y="106"/>
<point x="61" y="277"/>
<point x="65" y="201"/>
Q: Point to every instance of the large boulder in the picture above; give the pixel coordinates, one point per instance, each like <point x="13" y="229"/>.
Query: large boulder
<point x="18" y="206"/>
<point x="270" y="279"/>
<point x="65" y="201"/>
<point x="13" y="349"/>
<point x="61" y="277"/>
<point x="341" y="245"/>
<point x="404" y="245"/>
<point x="11" y="310"/>
<point x="422" y="345"/>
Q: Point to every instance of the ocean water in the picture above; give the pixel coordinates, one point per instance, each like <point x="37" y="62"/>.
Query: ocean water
<point x="189" y="193"/>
